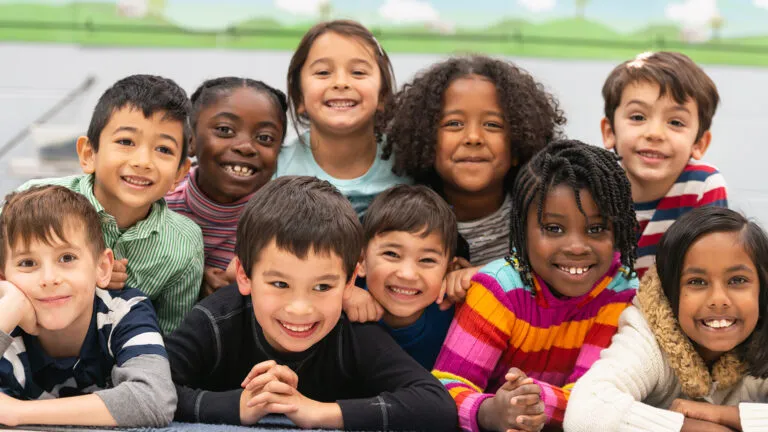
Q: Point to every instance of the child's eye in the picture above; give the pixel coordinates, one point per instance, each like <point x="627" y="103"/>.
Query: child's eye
<point x="67" y="258"/>
<point x="391" y="254"/>
<point x="26" y="263"/>
<point x="677" y="123"/>
<point x="165" y="150"/>
<point x="596" y="229"/>
<point x="698" y="282"/>
<point x="428" y="261"/>
<point x="321" y="287"/>
<point x="224" y="131"/>
<point x="554" y="229"/>
<point x="265" y="139"/>
<point x="359" y="73"/>
<point x="124" y="141"/>
<point x="494" y="125"/>
<point x="637" y="117"/>
<point x="738" y="280"/>
<point x="279" y="284"/>
<point x="452" y="123"/>
<point x="322" y="73"/>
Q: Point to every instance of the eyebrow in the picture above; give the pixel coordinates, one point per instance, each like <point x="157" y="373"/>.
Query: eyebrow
<point x="644" y="104"/>
<point x="329" y="277"/>
<point x="236" y="118"/>
<point x="135" y="130"/>
<point x="433" y="250"/>
<point x="328" y="60"/>
<point x="459" y="111"/>
<point x="738" y="267"/>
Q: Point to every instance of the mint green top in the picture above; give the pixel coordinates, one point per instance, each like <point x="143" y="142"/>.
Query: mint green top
<point x="164" y="252"/>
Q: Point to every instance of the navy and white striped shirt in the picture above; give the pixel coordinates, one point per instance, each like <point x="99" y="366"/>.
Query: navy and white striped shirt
<point x="123" y="327"/>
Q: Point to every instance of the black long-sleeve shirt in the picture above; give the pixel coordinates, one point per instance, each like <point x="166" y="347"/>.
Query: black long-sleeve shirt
<point x="377" y="385"/>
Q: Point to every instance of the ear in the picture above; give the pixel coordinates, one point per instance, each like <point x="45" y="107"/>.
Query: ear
<point x="609" y="138"/>
<point x="700" y="147"/>
<point x="351" y="282"/>
<point x="360" y="268"/>
<point x="182" y="172"/>
<point x="104" y="268"/>
<point x="243" y="281"/>
<point x="86" y="154"/>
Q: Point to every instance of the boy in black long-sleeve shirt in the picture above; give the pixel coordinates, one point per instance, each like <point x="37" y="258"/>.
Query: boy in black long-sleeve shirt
<point x="278" y="342"/>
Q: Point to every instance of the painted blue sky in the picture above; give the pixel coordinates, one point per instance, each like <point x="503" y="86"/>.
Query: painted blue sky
<point x="741" y="17"/>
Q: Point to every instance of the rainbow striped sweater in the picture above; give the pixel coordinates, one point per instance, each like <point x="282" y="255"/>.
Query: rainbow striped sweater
<point x="504" y="323"/>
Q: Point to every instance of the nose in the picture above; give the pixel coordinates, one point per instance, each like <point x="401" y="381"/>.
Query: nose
<point x="340" y="81"/>
<point x="473" y="136"/>
<point x="576" y="245"/>
<point x="299" y="305"/>
<point x="49" y="277"/>
<point x="246" y="147"/>
<point x="655" y="130"/>
<point x="718" y="296"/>
<point x="142" y="157"/>
<point x="406" y="271"/>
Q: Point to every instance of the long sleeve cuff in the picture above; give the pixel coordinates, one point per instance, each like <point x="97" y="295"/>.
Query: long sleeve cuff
<point x="754" y="417"/>
<point x="642" y="417"/>
<point x="469" y="409"/>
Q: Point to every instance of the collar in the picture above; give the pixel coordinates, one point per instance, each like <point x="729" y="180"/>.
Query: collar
<point x="695" y="378"/>
<point x="201" y="204"/>
<point x="545" y="298"/>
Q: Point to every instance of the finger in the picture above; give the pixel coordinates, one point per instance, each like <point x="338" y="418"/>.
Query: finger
<point x="370" y="310"/>
<point x="513" y="374"/>
<point x="258" y="383"/>
<point x="463" y="262"/>
<point x="115" y="285"/>
<point x="466" y="280"/>
<point x="258" y="369"/>
<point x="379" y="310"/>
<point x="441" y="295"/>
<point x="266" y="398"/>
<point x="119" y="277"/>
<point x="352" y="314"/>
<point x="286" y="375"/>
<point x="278" y="387"/>
<point x="279" y="408"/>
<point x="530" y="423"/>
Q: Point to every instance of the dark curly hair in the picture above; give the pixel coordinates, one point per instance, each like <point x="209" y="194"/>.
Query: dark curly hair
<point x="532" y="115"/>
<point x="580" y="166"/>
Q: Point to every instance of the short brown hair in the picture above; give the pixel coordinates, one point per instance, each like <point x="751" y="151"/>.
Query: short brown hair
<point x="345" y="28"/>
<point x="413" y="209"/>
<point x="301" y="214"/>
<point x="675" y="73"/>
<point x="41" y="212"/>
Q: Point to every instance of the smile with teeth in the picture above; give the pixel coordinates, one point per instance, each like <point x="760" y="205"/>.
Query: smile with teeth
<point x="346" y="103"/>
<point x="651" y="155"/>
<point x="298" y="328"/>
<point x="403" y="290"/>
<point x="574" y="270"/>
<point x="719" y="323"/>
<point x="239" y="170"/>
<point x="136" y="181"/>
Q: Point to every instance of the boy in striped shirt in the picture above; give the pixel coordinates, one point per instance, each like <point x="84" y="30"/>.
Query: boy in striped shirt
<point x="73" y="353"/>
<point x="658" y="112"/>
<point x="134" y="153"/>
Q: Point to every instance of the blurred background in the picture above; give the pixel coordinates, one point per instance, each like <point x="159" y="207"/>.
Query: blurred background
<point x="57" y="57"/>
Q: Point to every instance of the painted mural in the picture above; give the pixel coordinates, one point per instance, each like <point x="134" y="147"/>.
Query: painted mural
<point x="710" y="31"/>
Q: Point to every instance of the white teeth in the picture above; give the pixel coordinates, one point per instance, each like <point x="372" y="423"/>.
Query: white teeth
<point x="723" y="323"/>
<point x="651" y="155"/>
<point x="574" y="270"/>
<point x="137" y="182"/>
<point x="239" y="170"/>
<point x="297" y="328"/>
<point x="404" y="291"/>
<point x="341" y="104"/>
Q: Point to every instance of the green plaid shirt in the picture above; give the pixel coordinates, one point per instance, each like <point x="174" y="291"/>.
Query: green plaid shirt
<point x="164" y="252"/>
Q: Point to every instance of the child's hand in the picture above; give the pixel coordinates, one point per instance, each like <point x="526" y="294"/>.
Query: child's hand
<point x="17" y="310"/>
<point x="693" y="425"/>
<point x="280" y="398"/>
<point x="360" y="306"/>
<point x="260" y="379"/>
<point x="517" y="405"/>
<point x="213" y="279"/>
<point x="8" y="410"/>
<point x="455" y="286"/>
<point x="119" y="274"/>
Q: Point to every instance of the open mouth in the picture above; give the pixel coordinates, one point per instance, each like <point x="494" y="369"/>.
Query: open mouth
<point x="574" y="270"/>
<point x="298" y="330"/>
<point x="652" y="155"/>
<point x="136" y="181"/>
<point x="403" y="291"/>
<point x="341" y="104"/>
<point x="718" y="324"/>
<point x="239" y="170"/>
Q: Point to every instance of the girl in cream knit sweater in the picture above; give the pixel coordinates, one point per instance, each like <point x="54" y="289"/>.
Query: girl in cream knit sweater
<point x="691" y="354"/>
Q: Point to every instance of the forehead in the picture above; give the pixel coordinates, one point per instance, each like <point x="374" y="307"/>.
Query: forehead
<point x="74" y="237"/>
<point x="561" y="199"/>
<point x="335" y="47"/>
<point x="247" y="103"/>
<point x="471" y="88"/>
<point x="415" y="240"/>
<point x="315" y="262"/>
<point x="718" y="250"/>
<point x="649" y="93"/>
<point x="157" y="123"/>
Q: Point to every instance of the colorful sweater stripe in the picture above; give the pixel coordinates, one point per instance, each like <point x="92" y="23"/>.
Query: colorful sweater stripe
<point x="699" y="185"/>
<point x="504" y="323"/>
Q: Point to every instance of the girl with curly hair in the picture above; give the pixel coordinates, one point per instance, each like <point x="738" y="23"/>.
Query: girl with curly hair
<point x="464" y="127"/>
<point x="691" y="354"/>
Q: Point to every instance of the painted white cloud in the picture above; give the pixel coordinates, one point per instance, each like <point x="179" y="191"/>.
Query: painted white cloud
<point x="761" y="3"/>
<point x="408" y="11"/>
<point x="538" y="5"/>
<point x="300" y="7"/>
<point x="693" y="13"/>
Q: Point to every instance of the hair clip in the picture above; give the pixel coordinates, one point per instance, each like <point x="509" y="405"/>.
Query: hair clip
<point x="378" y="45"/>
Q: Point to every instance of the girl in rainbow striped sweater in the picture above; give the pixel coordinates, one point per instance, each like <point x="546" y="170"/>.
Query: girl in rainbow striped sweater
<point x="534" y="322"/>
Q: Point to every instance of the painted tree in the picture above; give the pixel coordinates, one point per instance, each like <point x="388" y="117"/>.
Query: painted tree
<point x="581" y="6"/>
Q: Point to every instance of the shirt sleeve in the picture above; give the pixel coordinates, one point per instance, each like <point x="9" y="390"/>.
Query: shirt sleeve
<point x="608" y="397"/>
<point x="714" y="192"/>
<point x="181" y="291"/>
<point x="408" y="397"/>
<point x="482" y="327"/>
<point x="194" y="353"/>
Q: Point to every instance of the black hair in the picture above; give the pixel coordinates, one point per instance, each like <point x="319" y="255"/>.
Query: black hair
<point x="580" y="166"/>
<point x="532" y="115"/>
<point x="670" y="256"/>
<point x="301" y="214"/>
<point x="210" y="91"/>
<point x="149" y="94"/>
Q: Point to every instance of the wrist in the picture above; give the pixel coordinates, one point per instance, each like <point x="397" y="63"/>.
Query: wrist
<point x="327" y="416"/>
<point x="486" y="414"/>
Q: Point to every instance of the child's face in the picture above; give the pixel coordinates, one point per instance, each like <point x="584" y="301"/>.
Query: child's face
<point x="570" y="252"/>
<point x="237" y="141"/>
<point x="655" y="136"/>
<point x="340" y="84"/>
<point x="472" y="152"/>
<point x="719" y="294"/>
<point x="297" y="302"/>
<point x="404" y="272"/>
<point x="137" y="162"/>
<point x="59" y="279"/>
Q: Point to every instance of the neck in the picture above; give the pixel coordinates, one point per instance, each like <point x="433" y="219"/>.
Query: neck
<point x="470" y="206"/>
<point x="649" y="191"/>
<point x="69" y="341"/>
<point x="344" y="156"/>
<point x="397" y="322"/>
<point x="124" y="215"/>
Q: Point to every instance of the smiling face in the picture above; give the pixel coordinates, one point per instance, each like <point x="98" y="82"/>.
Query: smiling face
<point x="340" y="85"/>
<point x="297" y="302"/>
<point x="404" y="272"/>
<point x="137" y="162"/>
<point x="655" y="137"/>
<point x="719" y="294"/>
<point x="570" y="252"/>
<point x="237" y="140"/>
<point x="59" y="279"/>
<point x="472" y="154"/>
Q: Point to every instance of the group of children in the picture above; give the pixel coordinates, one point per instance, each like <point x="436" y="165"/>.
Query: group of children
<point x="445" y="227"/>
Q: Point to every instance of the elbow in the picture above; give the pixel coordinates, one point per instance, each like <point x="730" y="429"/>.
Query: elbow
<point x="443" y="416"/>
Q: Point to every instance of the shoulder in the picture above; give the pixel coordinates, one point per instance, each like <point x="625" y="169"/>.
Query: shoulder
<point x="500" y="275"/>
<point x="699" y="172"/>
<point x="185" y="234"/>
<point x="225" y="303"/>
<point x="292" y="152"/>
<point x="623" y="284"/>
<point x="70" y="182"/>
<point x="112" y="306"/>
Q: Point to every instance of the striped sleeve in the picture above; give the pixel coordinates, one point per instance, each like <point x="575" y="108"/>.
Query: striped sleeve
<point x="482" y="326"/>
<point x="714" y="193"/>
<point x="599" y="336"/>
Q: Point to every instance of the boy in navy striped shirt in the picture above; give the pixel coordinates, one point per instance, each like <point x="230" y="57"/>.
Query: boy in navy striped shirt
<point x="73" y="353"/>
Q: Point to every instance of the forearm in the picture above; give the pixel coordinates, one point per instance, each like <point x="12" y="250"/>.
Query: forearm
<point x="200" y="406"/>
<point x="327" y="416"/>
<point x="86" y="410"/>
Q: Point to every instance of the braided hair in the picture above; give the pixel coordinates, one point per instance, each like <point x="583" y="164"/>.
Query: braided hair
<point x="580" y="166"/>
<point x="210" y="91"/>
